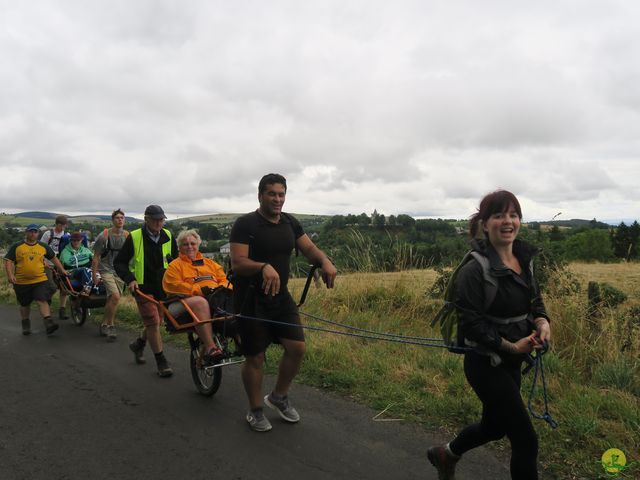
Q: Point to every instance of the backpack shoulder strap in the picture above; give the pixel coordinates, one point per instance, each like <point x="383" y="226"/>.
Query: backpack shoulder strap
<point x="489" y="281"/>
<point x="50" y="236"/>
<point x="290" y="219"/>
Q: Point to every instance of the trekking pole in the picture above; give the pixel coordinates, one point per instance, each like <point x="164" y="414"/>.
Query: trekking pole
<point x="310" y="275"/>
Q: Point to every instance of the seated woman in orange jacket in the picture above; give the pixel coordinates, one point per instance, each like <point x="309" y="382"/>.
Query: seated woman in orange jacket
<point x="187" y="276"/>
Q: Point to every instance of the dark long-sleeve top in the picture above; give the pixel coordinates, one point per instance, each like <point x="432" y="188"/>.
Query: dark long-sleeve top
<point x="517" y="294"/>
<point x="153" y="262"/>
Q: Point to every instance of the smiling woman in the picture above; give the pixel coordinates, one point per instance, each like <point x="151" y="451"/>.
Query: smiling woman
<point x="500" y="332"/>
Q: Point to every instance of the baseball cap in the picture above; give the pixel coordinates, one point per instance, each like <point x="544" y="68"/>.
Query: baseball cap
<point x="155" y="212"/>
<point x="32" y="226"/>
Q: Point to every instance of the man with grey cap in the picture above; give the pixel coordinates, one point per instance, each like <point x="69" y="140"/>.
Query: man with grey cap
<point x="24" y="265"/>
<point x="141" y="263"/>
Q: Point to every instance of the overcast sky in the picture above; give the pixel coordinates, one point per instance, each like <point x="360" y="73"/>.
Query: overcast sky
<point x="416" y="107"/>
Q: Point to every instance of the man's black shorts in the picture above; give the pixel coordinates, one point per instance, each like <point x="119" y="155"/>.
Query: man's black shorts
<point x="32" y="292"/>
<point x="256" y="335"/>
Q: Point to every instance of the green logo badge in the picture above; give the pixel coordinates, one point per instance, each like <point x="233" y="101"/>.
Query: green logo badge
<point x="614" y="461"/>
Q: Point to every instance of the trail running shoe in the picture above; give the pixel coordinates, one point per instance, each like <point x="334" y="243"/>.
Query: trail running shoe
<point x="104" y="328"/>
<point x="137" y="347"/>
<point x="26" y="326"/>
<point x="444" y="462"/>
<point x="111" y="333"/>
<point x="258" y="422"/>
<point x="284" y="408"/>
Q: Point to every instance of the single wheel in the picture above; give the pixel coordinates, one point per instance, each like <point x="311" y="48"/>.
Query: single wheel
<point x="207" y="380"/>
<point x="79" y="313"/>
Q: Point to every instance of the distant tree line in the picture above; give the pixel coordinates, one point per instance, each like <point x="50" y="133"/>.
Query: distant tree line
<point x="398" y="242"/>
<point x="386" y="243"/>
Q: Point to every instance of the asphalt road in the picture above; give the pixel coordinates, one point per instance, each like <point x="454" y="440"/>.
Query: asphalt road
<point x="75" y="407"/>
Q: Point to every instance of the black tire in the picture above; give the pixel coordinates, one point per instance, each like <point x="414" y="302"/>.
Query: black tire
<point x="207" y="380"/>
<point x="78" y="313"/>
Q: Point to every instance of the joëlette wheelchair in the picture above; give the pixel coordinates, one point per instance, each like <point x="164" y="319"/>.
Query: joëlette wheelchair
<point x="80" y="305"/>
<point x="207" y="378"/>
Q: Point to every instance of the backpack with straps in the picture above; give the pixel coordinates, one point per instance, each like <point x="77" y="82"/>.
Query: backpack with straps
<point x="447" y="316"/>
<point x="108" y="248"/>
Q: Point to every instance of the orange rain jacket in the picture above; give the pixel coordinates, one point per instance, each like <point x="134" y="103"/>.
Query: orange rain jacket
<point x="187" y="277"/>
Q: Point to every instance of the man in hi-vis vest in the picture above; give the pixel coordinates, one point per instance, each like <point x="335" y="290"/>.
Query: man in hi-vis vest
<point x="141" y="263"/>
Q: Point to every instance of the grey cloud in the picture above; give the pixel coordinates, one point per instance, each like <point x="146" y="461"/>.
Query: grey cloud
<point x="347" y="99"/>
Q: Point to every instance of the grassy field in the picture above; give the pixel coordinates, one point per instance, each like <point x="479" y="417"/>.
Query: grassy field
<point x="593" y="370"/>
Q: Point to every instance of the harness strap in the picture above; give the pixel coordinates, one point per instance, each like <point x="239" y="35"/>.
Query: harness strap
<point x="507" y="320"/>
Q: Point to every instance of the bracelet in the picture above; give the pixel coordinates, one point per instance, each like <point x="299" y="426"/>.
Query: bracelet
<point x="263" y="267"/>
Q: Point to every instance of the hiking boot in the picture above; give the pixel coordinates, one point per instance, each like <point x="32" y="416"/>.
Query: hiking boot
<point x="50" y="326"/>
<point x="257" y="421"/>
<point x="104" y="329"/>
<point x="444" y="462"/>
<point x="212" y="357"/>
<point x="26" y="326"/>
<point x="137" y="347"/>
<point x="111" y="333"/>
<point x="62" y="313"/>
<point x="164" y="369"/>
<point x="284" y="408"/>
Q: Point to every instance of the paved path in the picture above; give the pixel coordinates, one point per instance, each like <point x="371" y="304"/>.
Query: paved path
<point x="75" y="407"/>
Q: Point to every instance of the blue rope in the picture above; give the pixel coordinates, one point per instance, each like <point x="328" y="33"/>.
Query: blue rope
<point x="538" y="365"/>
<point x="388" y="337"/>
<point x="373" y="332"/>
<point x="537" y="362"/>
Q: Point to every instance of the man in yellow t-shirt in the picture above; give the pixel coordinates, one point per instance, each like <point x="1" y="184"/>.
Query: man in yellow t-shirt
<point x="24" y="264"/>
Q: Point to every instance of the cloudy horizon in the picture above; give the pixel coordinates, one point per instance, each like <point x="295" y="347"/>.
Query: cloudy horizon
<point x="405" y="107"/>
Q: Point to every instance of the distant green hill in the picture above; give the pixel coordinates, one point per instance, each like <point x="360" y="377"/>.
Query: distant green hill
<point x="217" y="219"/>
<point x="47" y="218"/>
<point x="225" y="219"/>
<point x="574" y="223"/>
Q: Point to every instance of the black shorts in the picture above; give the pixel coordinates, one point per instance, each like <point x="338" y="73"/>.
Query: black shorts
<point x="32" y="292"/>
<point x="257" y="335"/>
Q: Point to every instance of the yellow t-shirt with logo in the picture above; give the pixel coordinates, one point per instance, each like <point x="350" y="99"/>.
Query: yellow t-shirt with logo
<point x="29" y="261"/>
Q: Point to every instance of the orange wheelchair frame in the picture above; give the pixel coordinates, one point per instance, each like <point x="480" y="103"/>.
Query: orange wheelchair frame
<point x="207" y="378"/>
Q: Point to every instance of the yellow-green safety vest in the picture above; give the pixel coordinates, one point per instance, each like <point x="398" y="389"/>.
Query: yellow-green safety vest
<point x="136" y="265"/>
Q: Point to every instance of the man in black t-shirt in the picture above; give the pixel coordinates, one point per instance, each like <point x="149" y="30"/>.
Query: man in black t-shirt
<point x="261" y="246"/>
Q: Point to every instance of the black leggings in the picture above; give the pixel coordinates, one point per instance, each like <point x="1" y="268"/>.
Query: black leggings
<point x="503" y="413"/>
